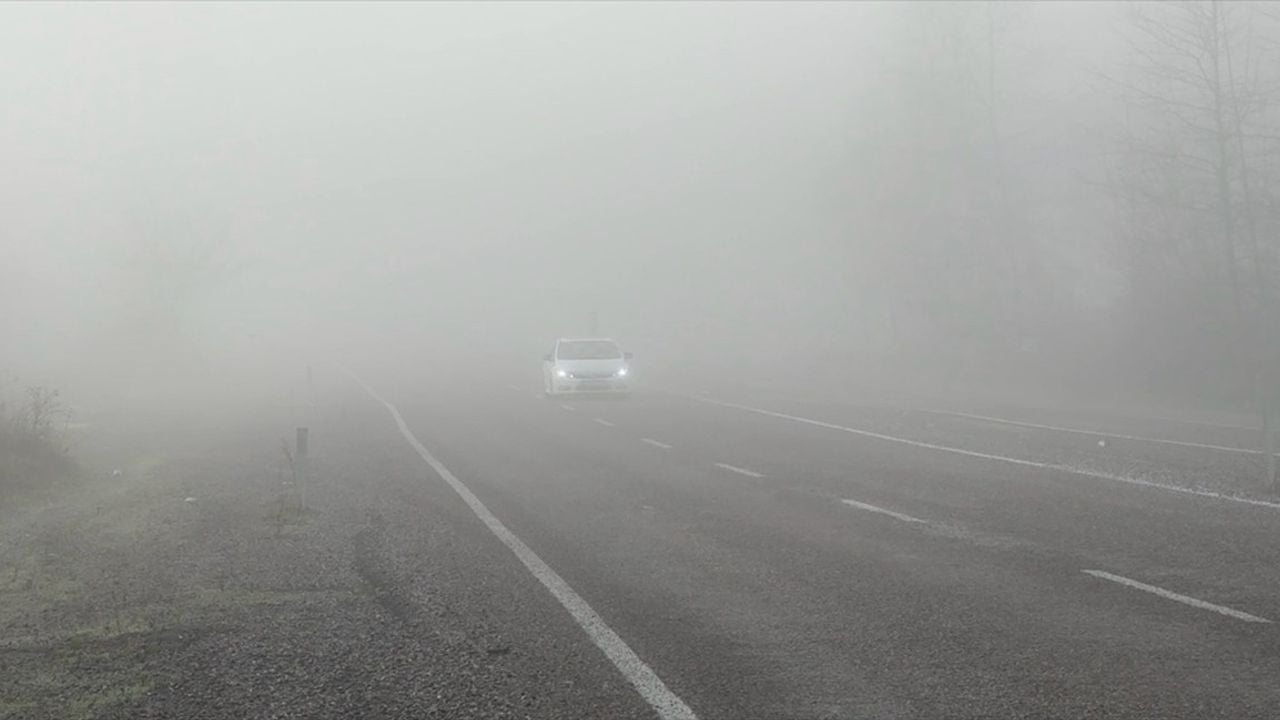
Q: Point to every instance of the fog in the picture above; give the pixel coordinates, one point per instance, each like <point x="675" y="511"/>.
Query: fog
<point x="877" y="195"/>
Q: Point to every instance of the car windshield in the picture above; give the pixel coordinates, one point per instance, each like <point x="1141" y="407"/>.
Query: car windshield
<point x="588" y="350"/>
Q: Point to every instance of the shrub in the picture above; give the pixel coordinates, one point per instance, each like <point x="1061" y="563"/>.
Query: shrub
<point x="32" y="452"/>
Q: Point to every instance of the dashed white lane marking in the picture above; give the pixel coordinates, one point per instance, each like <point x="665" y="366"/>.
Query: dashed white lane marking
<point x="1079" y="431"/>
<point x="655" y="443"/>
<point x="666" y="703"/>
<point x="740" y="471"/>
<point x="1001" y="458"/>
<point x="1176" y="597"/>
<point x="567" y="407"/>
<point x="882" y="511"/>
<point x="602" y="421"/>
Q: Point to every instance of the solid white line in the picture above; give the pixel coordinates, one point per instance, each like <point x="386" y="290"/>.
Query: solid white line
<point x="655" y="443"/>
<point x="604" y="422"/>
<point x="740" y="471"/>
<point x="1185" y="600"/>
<point x="1001" y="458"/>
<point x="1199" y="423"/>
<point x="666" y="703"/>
<point x="1078" y="431"/>
<point x="567" y="407"/>
<point x="882" y="511"/>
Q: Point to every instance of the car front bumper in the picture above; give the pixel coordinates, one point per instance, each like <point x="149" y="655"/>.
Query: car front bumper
<point x="589" y="385"/>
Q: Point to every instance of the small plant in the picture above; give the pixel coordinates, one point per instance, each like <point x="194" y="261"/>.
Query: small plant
<point x="288" y="456"/>
<point x="290" y="508"/>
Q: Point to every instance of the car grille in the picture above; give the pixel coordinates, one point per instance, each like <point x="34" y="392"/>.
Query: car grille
<point x="591" y="375"/>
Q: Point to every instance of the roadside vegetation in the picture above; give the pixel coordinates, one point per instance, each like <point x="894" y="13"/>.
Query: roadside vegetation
<point x="34" y="456"/>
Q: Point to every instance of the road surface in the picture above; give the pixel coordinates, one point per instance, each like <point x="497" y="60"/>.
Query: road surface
<point x="473" y="549"/>
<point x="839" y="561"/>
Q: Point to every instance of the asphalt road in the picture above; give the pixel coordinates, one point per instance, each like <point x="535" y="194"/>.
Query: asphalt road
<point x="717" y="543"/>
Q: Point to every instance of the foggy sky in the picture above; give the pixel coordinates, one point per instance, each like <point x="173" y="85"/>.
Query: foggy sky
<point x="480" y="174"/>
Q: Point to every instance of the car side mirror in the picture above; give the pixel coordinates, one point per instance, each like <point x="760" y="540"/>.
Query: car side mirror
<point x="549" y="357"/>
<point x="627" y="355"/>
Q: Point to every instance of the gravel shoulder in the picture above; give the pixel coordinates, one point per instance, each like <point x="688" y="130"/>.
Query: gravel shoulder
<point x="190" y="585"/>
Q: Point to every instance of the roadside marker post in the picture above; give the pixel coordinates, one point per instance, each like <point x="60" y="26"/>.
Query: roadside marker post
<point x="301" y="451"/>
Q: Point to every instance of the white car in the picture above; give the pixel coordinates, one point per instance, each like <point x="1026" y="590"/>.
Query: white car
<point x="586" y="365"/>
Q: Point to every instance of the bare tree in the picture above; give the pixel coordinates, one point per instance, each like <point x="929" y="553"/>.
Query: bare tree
<point x="42" y="407"/>
<point x="1202" y="94"/>
<point x="956" y="191"/>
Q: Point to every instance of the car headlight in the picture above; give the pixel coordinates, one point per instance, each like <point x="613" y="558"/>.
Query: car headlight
<point x="622" y="372"/>
<point x="562" y="373"/>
